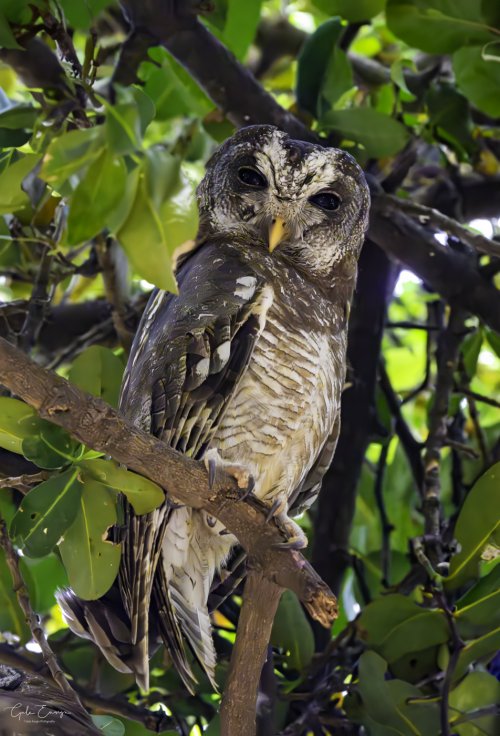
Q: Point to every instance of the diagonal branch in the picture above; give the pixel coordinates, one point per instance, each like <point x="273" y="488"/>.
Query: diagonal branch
<point x="99" y="426"/>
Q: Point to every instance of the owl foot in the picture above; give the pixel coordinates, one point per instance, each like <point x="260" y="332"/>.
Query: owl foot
<point x="295" y="537"/>
<point x="215" y="464"/>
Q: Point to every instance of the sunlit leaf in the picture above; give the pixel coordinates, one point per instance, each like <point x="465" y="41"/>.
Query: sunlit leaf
<point x="90" y="560"/>
<point x="17" y="421"/>
<point x="142" y="493"/>
<point x="99" y="372"/>
<point x="46" y="512"/>
<point x="379" y="134"/>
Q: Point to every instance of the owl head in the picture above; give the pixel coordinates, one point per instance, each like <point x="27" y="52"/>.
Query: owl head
<point x="299" y="201"/>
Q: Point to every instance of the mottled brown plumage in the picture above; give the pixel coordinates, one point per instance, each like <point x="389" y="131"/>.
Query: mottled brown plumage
<point x="244" y="368"/>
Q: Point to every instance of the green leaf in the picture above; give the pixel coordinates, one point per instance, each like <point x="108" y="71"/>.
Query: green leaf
<point x="7" y="40"/>
<point x="382" y="705"/>
<point x="313" y="62"/>
<point x="470" y="349"/>
<point x="437" y="26"/>
<point x="17" y="421"/>
<point x="90" y="561"/>
<point x="479" y="610"/>
<point x="352" y="11"/>
<point x="49" y="446"/>
<point x="477" y="522"/>
<point x="109" y="726"/>
<point x="477" y="650"/>
<point x="151" y="233"/>
<point x="100" y="192"/>
<point x="394" y="626"/>
<point x="292" y="632"/>
<point x="81" y="14"/>
<point x="99" y="372"/>
<point x="13" y="138"/>
<point x="42" y="577"/>
<point x="12" y="196"/>
<point x="19" y="116"/>
<point x="379" y="134"/>
<point x="123" y="124"/>
<point x="449" y="117"/>
<point x="142" y="493"/>
<point x="69" y="154"/>
<point x="477" y="690"/>
<point x="46" y="512"/>
<point x="478" y="79"/>
<point x="11" y="616"/>
<point x="241" y="24"/>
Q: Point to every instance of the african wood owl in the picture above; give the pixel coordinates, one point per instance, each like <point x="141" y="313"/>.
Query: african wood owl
<point x="244" y="368"/>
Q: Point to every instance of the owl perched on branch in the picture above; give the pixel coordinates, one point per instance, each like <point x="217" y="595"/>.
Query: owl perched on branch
<point x="243" y="369"/>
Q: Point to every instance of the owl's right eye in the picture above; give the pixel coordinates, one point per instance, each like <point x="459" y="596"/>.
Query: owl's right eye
<point x="252" y="177"/>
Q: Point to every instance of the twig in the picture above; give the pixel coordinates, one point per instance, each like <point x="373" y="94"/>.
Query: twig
<point x="97" y="425"/>
<point x="25" y="482"/>
<point x="461" y="389"/>
<point x="260" y="602"/>
<point x="32" y="619"/>
<point x="479" y="242"/>
<point x="447" y="362"/>
<point x="38" y="303"/>
<point x="456" y="647"/>
<point x="387" y="527"/>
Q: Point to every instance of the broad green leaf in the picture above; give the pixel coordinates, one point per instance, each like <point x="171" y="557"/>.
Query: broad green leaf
<point x="13" y="138"/>
<point x="12" y="196"/>
<point x="99" y="192"/>
<point x="109" y="725"/>
<point x="379" y="134"/>
<point x="142" y="493"/>
<point x="470" y="349"/>
<point x="241" y="24"/>
<point x="479" y="610"/>
<point x="437" y="26"/>
<point x="150" y="234"/>
<point x="17" y="421"/>
<point x="70" y="153"/>
<point x="313" y="64"/>
<point x="81" y="14"/>
<point x="449" y="117"/>
<point x="171" y="88"/>
<point x="477" y="650"/>
<point x="394" y="625"/>
<point x="19" y="116"/>
<point x="477" y="522"/>
<point x="123" y="123"/>
<point x="46" y="512"/>
<point x="292" y="632"/>
<point x="50" y="446"/>
<point x="478" y="79"/>
<point x="477" y="690"/>
<point x="7" y="40"/>
<point x="119" y="215"/>
<point x="352" y="10"/>
<point x="382" y="705"/>
<point x="99" y="372"/>
<point x="90" y="561"/>
<point x="11" y="616"/>
<point x="42" y="577"/>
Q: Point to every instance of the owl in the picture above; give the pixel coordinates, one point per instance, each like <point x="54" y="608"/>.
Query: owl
<point x="243" y="369"/>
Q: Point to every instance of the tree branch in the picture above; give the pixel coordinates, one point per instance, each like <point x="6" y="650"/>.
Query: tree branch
<point x="96" y="424"/>
<point x="260" y="602"/>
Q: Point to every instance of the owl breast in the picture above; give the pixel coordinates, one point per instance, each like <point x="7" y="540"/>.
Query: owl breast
<point x="286" y="403"/>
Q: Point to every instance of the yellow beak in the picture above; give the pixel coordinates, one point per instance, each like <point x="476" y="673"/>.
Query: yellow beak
<point x="277" y="231"/>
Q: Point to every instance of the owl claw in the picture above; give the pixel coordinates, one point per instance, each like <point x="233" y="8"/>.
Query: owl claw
<point x="293" y="543"/>
<point x="249" y="489"/>
<point x="212" y="471"/>
<point x="214" y="463"/>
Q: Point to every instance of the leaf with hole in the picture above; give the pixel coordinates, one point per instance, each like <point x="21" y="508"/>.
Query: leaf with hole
<point x="46" y="512"/>
<point x="91" y="561"/>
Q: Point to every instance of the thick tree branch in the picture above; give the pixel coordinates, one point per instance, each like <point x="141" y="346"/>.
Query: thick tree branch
<point x="96" y="424"/>
<point x="260" y="602"/>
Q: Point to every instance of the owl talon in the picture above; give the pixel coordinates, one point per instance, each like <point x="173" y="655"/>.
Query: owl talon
<point x="212" y="471"/>
<point x="294" y="543"/>
<point x="249" y="489"/>
<point x="215" y="464"/>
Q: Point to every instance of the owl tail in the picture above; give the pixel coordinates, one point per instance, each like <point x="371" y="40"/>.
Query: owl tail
<point x="193" y="551"/>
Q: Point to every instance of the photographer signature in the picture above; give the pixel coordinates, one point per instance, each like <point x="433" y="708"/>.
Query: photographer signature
<point x="41" y="712"/>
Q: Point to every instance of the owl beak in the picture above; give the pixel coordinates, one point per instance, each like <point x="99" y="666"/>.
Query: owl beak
<point x="277" y="232"/>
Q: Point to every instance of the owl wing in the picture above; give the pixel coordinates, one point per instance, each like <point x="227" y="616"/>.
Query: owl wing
<point x="189" y="354"/>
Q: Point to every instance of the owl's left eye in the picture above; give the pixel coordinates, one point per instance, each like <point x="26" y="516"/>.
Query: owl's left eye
<point x="252" y="177"/>
<point x="326" y="201"/>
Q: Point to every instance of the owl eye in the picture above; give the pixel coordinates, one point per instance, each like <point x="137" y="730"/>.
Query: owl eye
<point x="326" y="201"/>
<point x="251" y="177"/>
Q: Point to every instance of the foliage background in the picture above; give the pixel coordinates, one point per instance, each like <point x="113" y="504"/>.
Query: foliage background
<point x="97" y="173"/>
